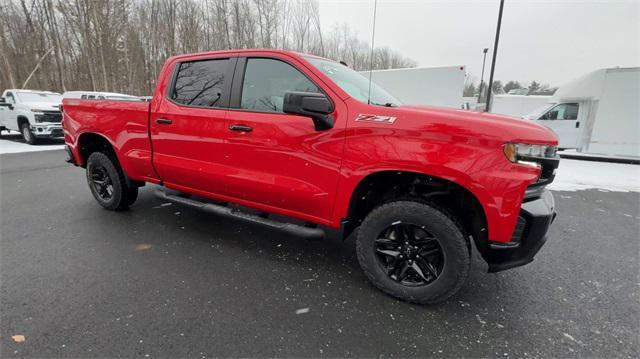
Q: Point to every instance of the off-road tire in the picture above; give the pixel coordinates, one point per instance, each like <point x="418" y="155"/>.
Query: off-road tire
<point x="27" y="134"/>
<point x="449" y="235"/>
<point x="122" y="195"/>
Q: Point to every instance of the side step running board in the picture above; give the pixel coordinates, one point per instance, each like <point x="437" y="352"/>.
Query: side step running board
<point x="297" y="230"/>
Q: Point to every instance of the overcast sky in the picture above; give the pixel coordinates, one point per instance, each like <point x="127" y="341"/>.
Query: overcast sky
<point x="547" y="41"/>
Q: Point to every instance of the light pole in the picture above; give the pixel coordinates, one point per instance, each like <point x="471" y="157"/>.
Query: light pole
<point x="484" y="58"/>
<point x="495" y="53"/>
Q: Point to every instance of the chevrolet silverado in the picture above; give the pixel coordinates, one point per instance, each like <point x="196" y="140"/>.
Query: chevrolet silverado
<point x="308" y="146"/>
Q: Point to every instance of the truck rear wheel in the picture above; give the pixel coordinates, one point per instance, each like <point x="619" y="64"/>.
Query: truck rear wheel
<point x="27" y="134"/>
<point x="413" y="251"/>
<point x="108" y="183"/>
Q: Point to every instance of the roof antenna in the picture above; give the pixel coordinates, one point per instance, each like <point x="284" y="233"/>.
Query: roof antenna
<point x="373" y="36"/>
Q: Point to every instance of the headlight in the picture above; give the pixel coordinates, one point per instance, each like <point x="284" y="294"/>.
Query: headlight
<point x="39" y="117"/>
<point x="528" y="154"/>
<point x="543" y="157"/>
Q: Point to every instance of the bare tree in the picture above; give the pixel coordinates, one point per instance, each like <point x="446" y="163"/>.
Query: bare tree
<point x="120" y="45"/>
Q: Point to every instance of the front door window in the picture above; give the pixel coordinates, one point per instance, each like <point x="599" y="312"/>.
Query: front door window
<point x="267" y="80"/>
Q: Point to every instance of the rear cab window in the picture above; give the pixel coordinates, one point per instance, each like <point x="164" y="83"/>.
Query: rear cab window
<point x="201" y="83"/>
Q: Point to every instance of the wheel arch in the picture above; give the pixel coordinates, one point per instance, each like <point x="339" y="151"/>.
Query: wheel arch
<point x="89" y="142"/>
<point x="388" y="185"/>
<point x="22" y="119"/>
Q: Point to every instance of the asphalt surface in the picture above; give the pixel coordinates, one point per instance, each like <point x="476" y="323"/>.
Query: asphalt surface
<point x="164" y="280"/>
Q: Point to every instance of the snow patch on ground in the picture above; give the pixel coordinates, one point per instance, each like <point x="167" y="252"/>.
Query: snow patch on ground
<point x="575" y="175"/>
<point x="12" y="143"/>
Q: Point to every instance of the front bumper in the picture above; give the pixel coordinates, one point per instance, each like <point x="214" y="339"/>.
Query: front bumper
<point x="530" y="234"/>
<point x="47" y="130"/>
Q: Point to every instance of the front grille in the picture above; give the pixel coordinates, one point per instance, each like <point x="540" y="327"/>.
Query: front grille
<point x="50" y="116"/>
<point x="547" y="171"/>
<point x="547" y="174"/>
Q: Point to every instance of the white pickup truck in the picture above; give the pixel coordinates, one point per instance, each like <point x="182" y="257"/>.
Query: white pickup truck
<point x="35" y="114"/>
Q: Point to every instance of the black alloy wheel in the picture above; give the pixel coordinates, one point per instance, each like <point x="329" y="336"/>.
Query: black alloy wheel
<point x="100" y="181"/>
<point x="409" y="254"/>
<point x="108" y="183"/>
<point x="414" y="251"/>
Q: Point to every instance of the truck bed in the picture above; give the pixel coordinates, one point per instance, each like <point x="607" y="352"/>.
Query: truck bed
<point x="125" y="124"/>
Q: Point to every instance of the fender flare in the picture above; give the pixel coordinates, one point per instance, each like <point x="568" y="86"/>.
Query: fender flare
<point x="341" y="211"/>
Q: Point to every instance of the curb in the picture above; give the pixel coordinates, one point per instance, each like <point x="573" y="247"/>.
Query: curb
<point x="630" y="161"/>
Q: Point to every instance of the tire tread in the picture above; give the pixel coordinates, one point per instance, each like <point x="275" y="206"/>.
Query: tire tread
<point x="128" y="195"/>
<point x="460" y="243"/>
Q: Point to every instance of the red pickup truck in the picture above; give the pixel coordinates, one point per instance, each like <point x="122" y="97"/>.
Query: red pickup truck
<point x="308" y="146"/>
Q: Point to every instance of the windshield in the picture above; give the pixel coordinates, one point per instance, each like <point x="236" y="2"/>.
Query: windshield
<point x="40" y="97"/>
<point x="354" y="83"/>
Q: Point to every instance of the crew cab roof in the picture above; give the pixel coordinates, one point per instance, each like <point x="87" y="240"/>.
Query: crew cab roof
<point x="239" y="52"/>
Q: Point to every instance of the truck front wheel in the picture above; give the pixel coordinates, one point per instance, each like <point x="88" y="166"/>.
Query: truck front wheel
<point x="27" y="134"/>
<point x="413" y="251"/>
<point x="108" y="184"/>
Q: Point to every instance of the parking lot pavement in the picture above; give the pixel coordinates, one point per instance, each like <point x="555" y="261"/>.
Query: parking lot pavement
<point x="164" y="280"/>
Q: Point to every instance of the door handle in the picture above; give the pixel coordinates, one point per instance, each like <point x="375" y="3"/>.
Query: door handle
<point x="577" y="124"/>
<point x="163" y="121"/>
<point x="240" y="128"/>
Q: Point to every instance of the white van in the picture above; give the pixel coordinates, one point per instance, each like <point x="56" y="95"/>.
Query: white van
<point x="597" y="113"/>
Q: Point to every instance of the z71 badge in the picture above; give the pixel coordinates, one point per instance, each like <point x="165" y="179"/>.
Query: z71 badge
<point x="375" y="118"/>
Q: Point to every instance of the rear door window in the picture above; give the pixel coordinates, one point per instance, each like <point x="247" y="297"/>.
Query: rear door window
<point x="200" y="83"/>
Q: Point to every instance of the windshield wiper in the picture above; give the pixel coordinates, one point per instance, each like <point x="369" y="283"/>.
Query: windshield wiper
<point x="388" y="104"/>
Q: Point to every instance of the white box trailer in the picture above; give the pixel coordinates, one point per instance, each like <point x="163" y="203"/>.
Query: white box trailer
<point x="432" y="86"/>
<point x="517" y="105"/>
<point x="597" y="113"/>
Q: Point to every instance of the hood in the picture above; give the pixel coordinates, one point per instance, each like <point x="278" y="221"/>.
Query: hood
<point x="472" y="123"/>
<point x="47" y="106"/>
